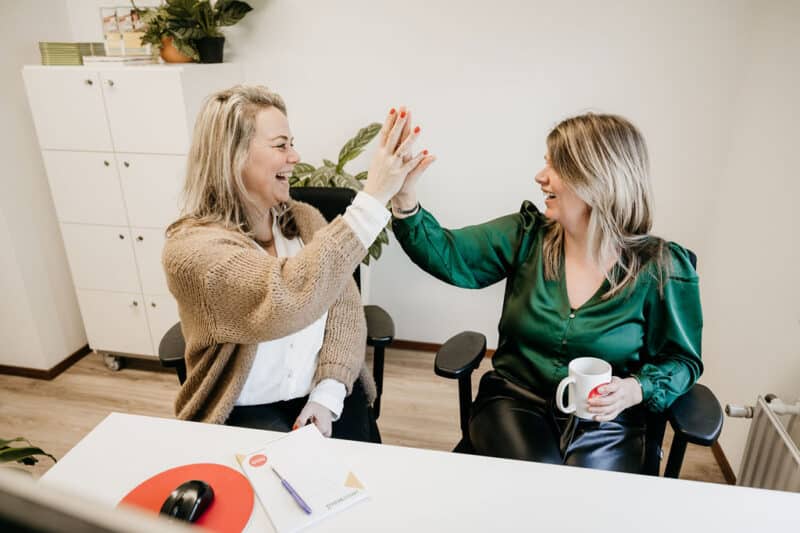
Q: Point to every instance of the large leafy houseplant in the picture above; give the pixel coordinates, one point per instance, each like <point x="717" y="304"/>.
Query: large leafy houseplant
<point x="20" y="454"/>
<point x="188" y="21"/>
<point x="331" y="174"/>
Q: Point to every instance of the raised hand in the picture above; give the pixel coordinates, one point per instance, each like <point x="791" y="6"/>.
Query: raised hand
<point x="393" y="162"/>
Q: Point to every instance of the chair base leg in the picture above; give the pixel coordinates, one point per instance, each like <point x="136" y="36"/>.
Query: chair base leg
<point x="377" y="374"/>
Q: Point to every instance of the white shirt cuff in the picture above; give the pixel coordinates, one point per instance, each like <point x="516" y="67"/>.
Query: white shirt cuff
<point x="366" y="216"/>
<point x="330" y="393"/>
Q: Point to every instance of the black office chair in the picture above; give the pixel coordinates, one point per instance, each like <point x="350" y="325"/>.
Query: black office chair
<point x="331" y="202"/>
<point x="696" y="416"/>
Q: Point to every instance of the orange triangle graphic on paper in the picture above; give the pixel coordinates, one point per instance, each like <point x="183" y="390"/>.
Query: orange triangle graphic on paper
<point x="352" y="481"/>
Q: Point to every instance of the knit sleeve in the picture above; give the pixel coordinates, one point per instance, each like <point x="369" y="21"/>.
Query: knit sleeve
<point x="674" y="330"/>
<point x="342" y="354"/>
<point x="253" y="297"/>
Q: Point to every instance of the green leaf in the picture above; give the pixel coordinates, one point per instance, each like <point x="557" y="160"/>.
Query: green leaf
<point x="229" y="12"/>
<point x="185" y="48"/>
<point x="361" y="176"/>
<point x="15" y="454"/>
<point x="5" y="443"/>
<point x="328" y="163"/>
<point x="189" y="34"/>
<point x="355" y="146"/>
<point x="301" y="169"/>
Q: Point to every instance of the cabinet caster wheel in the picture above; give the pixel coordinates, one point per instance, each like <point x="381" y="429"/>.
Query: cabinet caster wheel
<point x="113" y="362"/>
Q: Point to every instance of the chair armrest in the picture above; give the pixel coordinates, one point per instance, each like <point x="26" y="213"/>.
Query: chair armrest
<point x="172" y="347"/>
<point x="696" y="416"/>
<point x="380" y="327"/>
<point x="460" y="355"/>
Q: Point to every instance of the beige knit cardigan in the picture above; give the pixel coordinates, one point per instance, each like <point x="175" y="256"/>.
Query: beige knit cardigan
<point x="232" y="296"/>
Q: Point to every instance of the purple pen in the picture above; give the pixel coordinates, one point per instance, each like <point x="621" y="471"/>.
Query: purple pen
<point x="300" y="502"/>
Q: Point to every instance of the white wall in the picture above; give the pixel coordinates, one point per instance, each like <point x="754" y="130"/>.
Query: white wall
<point x="40" y="323"/>
<point x="751" y="287"/>
<point x="487" y="81"/>
<point x="712" y="84"/>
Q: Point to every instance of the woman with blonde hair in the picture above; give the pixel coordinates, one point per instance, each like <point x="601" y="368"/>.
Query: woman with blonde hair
<point x="273" y="322"/>
<point x="586" y="278"/>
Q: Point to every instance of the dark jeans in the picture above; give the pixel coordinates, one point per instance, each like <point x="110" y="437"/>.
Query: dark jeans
<point x="508" y="420"/>
<point x="357" y="421"/>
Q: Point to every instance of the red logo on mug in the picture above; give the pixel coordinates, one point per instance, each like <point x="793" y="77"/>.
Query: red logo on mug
<point x="258" y="460"/>
<point x="595" y="392"/>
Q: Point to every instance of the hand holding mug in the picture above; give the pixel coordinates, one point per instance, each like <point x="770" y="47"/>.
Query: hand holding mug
<point x="614" y="398"/>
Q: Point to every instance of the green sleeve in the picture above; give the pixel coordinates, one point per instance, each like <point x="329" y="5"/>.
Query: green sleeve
<point x="672" y="363"/>
<point x="472" y="257"/>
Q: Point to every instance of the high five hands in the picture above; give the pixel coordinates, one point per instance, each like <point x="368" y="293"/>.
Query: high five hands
<point x="394" y="167"/>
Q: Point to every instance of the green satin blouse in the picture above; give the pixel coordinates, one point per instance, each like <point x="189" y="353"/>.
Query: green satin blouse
<point x="641" y="332"/>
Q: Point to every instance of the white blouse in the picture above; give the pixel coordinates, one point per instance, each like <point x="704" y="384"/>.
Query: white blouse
<point x="284" y="368"/>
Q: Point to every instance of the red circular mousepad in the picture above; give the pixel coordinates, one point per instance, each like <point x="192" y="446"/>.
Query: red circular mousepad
<point x="233" y="496"/>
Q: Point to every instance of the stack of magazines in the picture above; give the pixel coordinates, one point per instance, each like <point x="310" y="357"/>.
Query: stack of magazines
<point x="118" y="60"/>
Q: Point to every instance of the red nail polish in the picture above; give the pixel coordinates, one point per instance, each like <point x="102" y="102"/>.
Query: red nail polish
<point x="416" y="130"/>
<point x="392" y="111"/>
<point x="402" y="114"/>
<point x="424" y="152"/>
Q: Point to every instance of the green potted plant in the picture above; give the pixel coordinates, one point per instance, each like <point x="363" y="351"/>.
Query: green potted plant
<point x="331" y="174"/>
<point x="192" y="27"/>
<point x="20" y="454"/>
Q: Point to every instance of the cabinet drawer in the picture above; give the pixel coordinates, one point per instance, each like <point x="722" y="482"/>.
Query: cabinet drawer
<point x="85" y="187"/>
<point x="162" y="314"/>
<point x="146" y="111"/>
<point x="152" y="186"/>
<point x="116" y="322"/>
<point x="67" y="108"/>
<point x="101" y="257"/>
<point x="148" y="245"/>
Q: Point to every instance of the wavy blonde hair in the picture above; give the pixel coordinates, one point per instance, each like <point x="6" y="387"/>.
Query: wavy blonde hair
<point x="603" y="158"/>
<point x="214" y="191"/>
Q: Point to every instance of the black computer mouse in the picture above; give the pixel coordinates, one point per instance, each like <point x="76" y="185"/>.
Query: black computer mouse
<point x="188" y="501"/>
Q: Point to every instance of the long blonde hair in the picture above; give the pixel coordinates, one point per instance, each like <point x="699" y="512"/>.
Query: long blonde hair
<point x="603" y="158"/>
<point x="214" y="191"/>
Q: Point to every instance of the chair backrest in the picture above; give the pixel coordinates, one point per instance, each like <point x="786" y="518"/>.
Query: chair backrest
<point x="331" y="202"/>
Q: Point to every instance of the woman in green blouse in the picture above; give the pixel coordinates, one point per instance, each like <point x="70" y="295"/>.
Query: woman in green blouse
<point x="585" y="278"/>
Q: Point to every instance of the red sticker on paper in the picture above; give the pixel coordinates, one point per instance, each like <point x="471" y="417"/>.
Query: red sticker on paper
<point x="258" y="460"/>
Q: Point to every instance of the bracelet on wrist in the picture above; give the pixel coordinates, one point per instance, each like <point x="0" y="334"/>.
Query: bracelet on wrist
<point x="406" y="212"/>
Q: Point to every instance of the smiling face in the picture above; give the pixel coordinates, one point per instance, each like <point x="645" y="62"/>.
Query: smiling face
<point x="563" y="204"/>
<point x="271" y="157"/>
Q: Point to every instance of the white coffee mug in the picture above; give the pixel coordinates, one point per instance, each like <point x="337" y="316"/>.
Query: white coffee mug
<point x="586" y="374"/>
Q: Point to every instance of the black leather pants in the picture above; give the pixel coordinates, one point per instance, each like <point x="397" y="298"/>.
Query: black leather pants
<point x="357" y="421"/>
<point x="510" y="421"/>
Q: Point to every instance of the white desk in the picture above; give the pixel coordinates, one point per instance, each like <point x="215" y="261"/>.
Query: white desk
<point x="423" y="490"/>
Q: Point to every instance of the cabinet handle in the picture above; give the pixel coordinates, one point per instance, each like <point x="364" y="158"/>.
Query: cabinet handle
<point x="135" y="303"/>
<point x="106" y="163"/>
<point x="140" y="238"/>
<point x="152" y="304"/>
<point x="126" y="164"/>
<point x="121" y="236"/>
<point x="89" y="82"/>
<point x="110" y="83"/>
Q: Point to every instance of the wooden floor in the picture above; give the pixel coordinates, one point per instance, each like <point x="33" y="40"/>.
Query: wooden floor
<point x="419" y="409"/>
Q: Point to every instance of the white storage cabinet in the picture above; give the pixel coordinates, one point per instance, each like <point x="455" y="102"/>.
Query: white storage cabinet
<point x="114" y="144"/>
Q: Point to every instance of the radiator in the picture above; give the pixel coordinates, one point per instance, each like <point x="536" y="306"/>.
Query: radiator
<point x="771" y="458"/>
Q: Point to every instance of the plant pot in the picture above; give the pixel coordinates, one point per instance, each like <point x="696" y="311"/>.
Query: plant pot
<point x="170" y="54"/>
<point x="210" y="49"/>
